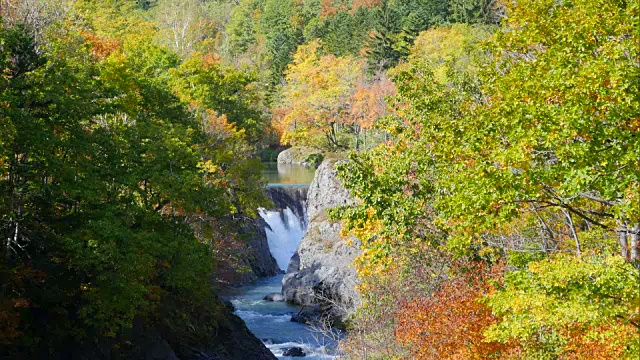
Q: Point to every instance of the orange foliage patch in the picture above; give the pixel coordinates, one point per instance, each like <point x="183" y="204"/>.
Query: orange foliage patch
<point x="368" y="103"/>
<point x="101" y="48"/>
<point x="211" y="60"/>
<point x="632" y="124"/>
<point x="449" y="323"/>
<point x="364" y="3"/>
<point x="327" y="8"/>
<point x="581" y="346"/>
<point x="218" y="126"/>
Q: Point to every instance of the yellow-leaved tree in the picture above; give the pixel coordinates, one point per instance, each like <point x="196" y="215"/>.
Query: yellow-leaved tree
<point x="317" y="94"/>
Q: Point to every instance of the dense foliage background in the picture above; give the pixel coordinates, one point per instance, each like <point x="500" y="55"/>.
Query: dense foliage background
<point x="494" y="152"/>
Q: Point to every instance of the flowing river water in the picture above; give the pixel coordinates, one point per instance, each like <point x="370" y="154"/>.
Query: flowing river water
<point x="270" y="321"/>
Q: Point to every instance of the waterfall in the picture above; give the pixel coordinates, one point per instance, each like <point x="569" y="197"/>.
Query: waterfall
<point x="286" y="222"/>
<point x="284" y="232"/>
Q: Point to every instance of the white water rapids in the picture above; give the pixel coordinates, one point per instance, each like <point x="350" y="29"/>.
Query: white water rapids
<point x="270" y="322"/>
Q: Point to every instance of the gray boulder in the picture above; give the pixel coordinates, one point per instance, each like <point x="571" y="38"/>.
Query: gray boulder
<point x="298" y="155"/>
<point x="294" y="352"/>
<point x="308" y="315"/>
<point x="326" y="191"/>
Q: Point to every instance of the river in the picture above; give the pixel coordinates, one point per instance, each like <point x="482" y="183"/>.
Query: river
<point x="270" y="321"/>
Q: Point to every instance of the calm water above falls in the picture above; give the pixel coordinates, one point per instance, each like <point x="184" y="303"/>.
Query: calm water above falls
<point x="270" y="321"/>
<point x="288" y="223"/>
<point x="287" y="174"/>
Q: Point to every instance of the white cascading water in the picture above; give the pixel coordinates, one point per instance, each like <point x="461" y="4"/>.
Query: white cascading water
<point x="284" y="234"/>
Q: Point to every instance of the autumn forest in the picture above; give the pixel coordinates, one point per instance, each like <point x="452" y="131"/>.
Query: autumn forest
<point x="493" y="147"/>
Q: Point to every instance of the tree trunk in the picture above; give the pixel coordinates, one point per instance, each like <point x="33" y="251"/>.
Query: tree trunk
<point x="334" y="134"/>
<point x="332" y="138"/>
<point x="364" y="137"/>
<point x="567" y="214"/>
<point x="547" y="229"/>
<point x="634" y="243"/>
<point x="622" y="239"/>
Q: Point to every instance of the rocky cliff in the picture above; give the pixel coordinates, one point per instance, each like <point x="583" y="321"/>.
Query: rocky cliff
<point x="321" y="272"/>
<point x="230" y="340"/>
<point x="259" y="258"/>
<point x="293" y="197"/>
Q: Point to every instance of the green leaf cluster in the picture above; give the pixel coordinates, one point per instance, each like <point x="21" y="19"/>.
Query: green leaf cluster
<point x="538" y="304"/>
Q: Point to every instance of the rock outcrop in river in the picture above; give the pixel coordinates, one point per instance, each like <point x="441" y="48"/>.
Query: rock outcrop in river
<point x="321" y="273"/>
<point x="299" y="155"/>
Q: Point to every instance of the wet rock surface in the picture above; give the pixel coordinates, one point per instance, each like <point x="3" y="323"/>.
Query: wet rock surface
<point x="294" y="352"/>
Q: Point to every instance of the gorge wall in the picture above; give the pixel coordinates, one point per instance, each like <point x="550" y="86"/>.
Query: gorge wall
<point x="321" y="272"/>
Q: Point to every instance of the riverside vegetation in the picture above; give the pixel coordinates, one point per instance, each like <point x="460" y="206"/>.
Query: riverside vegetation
<point x="494" y="155"/>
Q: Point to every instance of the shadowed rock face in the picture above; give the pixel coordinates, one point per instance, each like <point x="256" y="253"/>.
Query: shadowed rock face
<point x="293" y="197"/>
<point x="321" y="272"/>
<point x="253" y="255"/>
<point x="260" y="260"/>
<point x="232" y="341"/>
<point x="229" y="340"/>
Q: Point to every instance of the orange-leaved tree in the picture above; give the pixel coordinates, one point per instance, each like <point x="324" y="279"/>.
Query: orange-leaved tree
<point x="449" y="323"/>
<point x="369" y="104"/>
